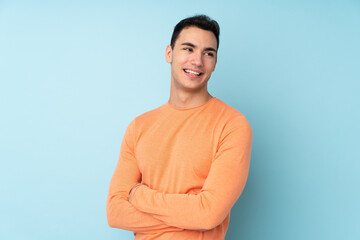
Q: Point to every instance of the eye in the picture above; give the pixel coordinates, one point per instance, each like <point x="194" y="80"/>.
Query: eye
<point x="188" y="49"/>
<point x="209" y="54"/>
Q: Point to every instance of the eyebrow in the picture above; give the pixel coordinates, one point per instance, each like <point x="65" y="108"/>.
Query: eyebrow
<point x="192" y="45"/>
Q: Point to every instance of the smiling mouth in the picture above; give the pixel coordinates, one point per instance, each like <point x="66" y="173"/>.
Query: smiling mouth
<point x="192" y="72"/>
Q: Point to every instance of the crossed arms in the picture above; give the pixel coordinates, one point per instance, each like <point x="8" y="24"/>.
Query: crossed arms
<point x="151" y="211"/>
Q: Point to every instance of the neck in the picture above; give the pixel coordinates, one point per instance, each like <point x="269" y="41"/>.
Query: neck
<point x="186" y="99"/>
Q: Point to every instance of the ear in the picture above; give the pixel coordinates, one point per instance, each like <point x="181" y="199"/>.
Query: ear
<point x="168" y="54"/>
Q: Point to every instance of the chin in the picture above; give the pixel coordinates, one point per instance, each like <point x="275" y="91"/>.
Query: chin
<point x="194" y="87"/>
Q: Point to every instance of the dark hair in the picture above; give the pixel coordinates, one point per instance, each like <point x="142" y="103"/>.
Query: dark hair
<point x="200" y="21"/>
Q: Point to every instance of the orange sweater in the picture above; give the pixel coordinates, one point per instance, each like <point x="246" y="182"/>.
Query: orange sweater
<point x="193" y="164"/>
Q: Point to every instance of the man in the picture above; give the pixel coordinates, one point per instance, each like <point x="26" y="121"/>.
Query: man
<point x="183" y="165"/>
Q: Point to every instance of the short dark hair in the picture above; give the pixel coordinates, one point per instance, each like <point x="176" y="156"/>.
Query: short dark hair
<point x="200" y="21"/>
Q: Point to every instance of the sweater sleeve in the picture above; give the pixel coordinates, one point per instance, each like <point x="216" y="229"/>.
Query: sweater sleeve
<point x="222" y="187"/>
<point x="120" y="213"/>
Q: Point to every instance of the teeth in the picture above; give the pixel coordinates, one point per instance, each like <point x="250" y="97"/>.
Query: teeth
<point x="192" y="72"/>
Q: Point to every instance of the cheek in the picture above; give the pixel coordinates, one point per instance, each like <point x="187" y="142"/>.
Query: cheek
<point x="180" y="59"/>
<point x="211" y="66"/>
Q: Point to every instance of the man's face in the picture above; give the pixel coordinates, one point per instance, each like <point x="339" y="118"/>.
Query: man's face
<point x="192" y="59"/>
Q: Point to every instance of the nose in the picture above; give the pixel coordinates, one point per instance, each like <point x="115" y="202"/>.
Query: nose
<point x="196" y="59"/>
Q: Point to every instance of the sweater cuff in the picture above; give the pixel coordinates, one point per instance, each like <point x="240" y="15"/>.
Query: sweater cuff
<point x="133" y="191"/>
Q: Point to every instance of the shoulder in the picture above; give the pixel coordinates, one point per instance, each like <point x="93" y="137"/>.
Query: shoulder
<point x="228" y="113"/>
<point x="148" y="117"/>
<point x="222" y="105"/>
<point x="231" y="121"/>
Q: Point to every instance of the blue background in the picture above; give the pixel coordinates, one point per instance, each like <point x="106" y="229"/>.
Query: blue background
<point x="75" y="73"/>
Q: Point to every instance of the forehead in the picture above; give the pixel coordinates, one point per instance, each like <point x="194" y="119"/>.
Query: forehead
<point x="198" y="37"/>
